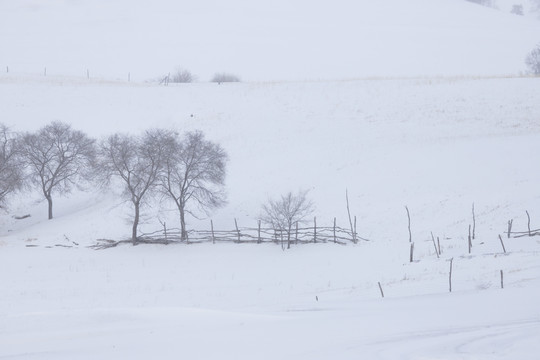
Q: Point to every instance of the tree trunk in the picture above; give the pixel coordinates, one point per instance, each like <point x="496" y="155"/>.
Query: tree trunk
<point x="135" y="223"/>
<point x="183" y="234"/>
<point x="49" y="200"/>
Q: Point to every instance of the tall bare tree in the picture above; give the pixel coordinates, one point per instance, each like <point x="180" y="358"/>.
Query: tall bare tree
<point x="282" y="214"/>
<point x="11" y="174"/>
<point x="194" y="172"/>
<point x="137" y="162"/>
<point x="57" y="158"/>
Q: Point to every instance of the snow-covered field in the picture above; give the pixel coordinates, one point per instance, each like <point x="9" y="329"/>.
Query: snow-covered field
<point x="393" y="134"/>
<point x="435" y="145"/>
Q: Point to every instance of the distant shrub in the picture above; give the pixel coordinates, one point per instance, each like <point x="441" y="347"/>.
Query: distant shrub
<point x="517" y="9"/>
<point x="225" y="77"/>
<point x="533" y="61"/>
<point x="181" y="76"/>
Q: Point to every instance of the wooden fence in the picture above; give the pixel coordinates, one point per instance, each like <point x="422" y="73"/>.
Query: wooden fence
<point x="296" y="235"/>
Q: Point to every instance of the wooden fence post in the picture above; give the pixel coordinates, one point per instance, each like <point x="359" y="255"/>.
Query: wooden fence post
<point x="434" y="245"/>
<point x="474" y="223"/>
<point x="380" y="288"/>
<point x="238" y="231"/>
<point x="502" y="243"/>
<point x="315" y="229"/>
<point x="409" y="219"/>
<point x="411" y="253"/>
<point x="469" y="238"/>
<point x="335" y="230"/>
<point x="510" y="227"/>
<point x="502" y="280"/>
<point x="296" y="234"/>
<point x="528" y="222"/>
<point x="212" y="227"/>
<point x="259" y="232"/>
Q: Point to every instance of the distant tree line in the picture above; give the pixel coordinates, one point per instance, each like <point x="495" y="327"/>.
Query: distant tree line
<point x="187" y="169"/>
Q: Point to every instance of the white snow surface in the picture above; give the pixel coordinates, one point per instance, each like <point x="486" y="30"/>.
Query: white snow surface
<point x="436" y="145"/>
<point x="436" y="128"/>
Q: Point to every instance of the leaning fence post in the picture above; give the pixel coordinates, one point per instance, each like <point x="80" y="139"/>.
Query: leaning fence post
<point x="238" y="231"/>
<point x="502" y="243"/>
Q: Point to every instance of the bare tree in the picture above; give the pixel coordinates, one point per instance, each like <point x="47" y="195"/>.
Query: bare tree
<point x="57" y="158"/>
<point x="11" y="174"/>
<point x="136" y="161"/>
<point x="533" y="60"/>
<point x="193" y="172"/>
<point x="290" y="209"/>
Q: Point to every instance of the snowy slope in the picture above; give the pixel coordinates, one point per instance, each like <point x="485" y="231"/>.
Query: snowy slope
<point x="436" y="145"/>
<point x="263" y="41"/>
<point x="400" y="136"/>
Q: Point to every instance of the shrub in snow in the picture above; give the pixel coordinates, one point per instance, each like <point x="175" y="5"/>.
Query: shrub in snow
<point x="181" y="76"/>
<point x="225" y="77"/>
<point x="287" y="211"/>
<point x="517" y="9"/>
<point x="533" y="61"/>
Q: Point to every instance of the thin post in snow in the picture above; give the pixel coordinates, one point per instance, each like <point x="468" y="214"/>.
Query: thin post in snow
<point x="354" y="233"/>
<point x="7" y="69"/>
<point x="474" y="223"/>
<point x="296" y="234"/>
<point x="528" y="223"/>
<point x="502" y="280"/>
<point x="165" y="230"/>
<point x="434" y="245"/>
<point x="469" y="238"/>
<point x="237" y="230"/>
<point x="335" y="230"/>
<point x="349" y="213"/>
<point x="409" y="223"/>
<point x="510" y="222"/>
<point x="314" y="229"/>
<point x="129" y="76"/>
<point x="212" y="228"/>
<point x="502" y="243"/>
<point x="439" y="245"/>
<point x="45" y="71"/>
<point x="450" y="275"/>
<point x="259" y="232"/>
<point x="380" y="288"/>
<point x="88" y="73"/>
<point x="411" y="252"/>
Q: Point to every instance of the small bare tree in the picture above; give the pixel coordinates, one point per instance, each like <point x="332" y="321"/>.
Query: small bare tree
<point x="193" y="172"/>
<point x="136" y="161"/>
<point x="290" y="209"/>
<point x="57" y="158"/>
<point x="181" y="76"/>
<point x="533" y="61"/>
<point x="11" y="174"/>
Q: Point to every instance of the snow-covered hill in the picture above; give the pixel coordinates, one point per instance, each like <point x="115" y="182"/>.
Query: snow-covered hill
<point x="278" y="40"/>
<point x="399" y="136"/>
<point x="435" y="144"/>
